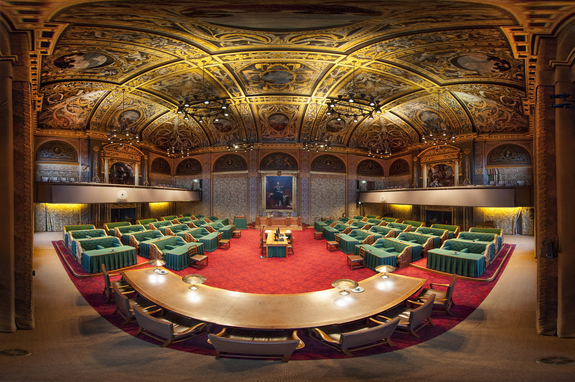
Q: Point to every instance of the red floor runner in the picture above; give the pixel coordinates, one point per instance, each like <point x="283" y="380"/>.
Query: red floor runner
<point x="311" y="268"/>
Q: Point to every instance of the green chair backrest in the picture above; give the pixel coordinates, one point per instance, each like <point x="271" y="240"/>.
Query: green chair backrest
<point x="78" y="227"/>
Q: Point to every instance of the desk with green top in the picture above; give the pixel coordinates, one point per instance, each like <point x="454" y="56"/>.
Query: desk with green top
<point x="240" y="222"/>
<point x="460" y="263"/>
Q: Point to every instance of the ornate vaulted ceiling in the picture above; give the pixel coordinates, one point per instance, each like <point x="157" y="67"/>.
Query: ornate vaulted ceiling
<point x="448" y="61"/>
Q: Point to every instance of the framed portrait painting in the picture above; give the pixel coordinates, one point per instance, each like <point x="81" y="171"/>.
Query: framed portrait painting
<point x="279" y="193"/>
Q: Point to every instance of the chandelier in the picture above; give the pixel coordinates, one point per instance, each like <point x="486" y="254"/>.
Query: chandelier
<point x="240" y="146"/>
<point x="381" y="141"/>
<point x="177" y="142"/>
<point x="316" y="145"/>
<point x="435" y="133"/>
<point x="202" y="105"/>
<point x="352" y="105"/>
<point x="121" y="132"/>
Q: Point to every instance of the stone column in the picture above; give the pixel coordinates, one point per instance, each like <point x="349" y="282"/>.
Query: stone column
<point x="7" y="289"/>
<point x="137" y="175"/>
<point x="424" y="175"/>
<point x="106" y="175"/>
<point x="456" y="181"/>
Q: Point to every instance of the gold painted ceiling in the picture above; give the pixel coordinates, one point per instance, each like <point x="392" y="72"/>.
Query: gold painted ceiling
<point x="277" y="62"/>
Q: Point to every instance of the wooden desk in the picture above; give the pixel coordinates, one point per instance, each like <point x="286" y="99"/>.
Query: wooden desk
<point x="271" y="311"/>
<point x="278" y="248"/>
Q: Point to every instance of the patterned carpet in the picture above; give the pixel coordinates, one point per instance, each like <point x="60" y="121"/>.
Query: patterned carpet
<point x="311" y="268"/>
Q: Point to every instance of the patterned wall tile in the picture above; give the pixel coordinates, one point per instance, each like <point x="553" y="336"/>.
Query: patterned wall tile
<point x="230" y="195"/>
<point x="327" y="196"/>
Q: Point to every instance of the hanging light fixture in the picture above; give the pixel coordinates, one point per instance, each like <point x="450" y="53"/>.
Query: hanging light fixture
<point x="240" y="146"/>
<point x="316" y="146"/>
<point x="201" y="106"/>
<point x="436" y="134"/>
<point x="352" y="105"/>
<point x="121" y="132"/>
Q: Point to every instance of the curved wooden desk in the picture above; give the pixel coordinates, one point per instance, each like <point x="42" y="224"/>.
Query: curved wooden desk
<point x="271" y="311"/>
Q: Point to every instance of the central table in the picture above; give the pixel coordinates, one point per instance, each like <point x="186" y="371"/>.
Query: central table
<point x="271" y="311"/>
<point x="276" y="248"/>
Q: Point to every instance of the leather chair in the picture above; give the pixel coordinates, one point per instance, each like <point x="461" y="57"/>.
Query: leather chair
<point x="412" y="320"/>
<point x="123" y="286"/>
<point x="443" y="298"/>
<point x="164" y="329"/>
<point x="242" y="343"/>
<point x="356" y="336"/>
<point x="125" y="305"/>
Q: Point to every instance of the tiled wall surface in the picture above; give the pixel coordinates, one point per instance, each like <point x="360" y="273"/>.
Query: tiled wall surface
<point x="230" y="196"/>
<point x="327" y="196"/>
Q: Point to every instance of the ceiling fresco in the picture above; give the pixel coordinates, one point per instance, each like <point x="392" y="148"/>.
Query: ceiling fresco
<point x="134" y="62"/>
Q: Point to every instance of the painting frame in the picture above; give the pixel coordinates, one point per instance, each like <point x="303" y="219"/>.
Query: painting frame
<point x="271" y="200"/>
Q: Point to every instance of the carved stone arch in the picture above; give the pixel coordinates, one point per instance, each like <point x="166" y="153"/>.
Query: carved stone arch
<point x="508" y="155"/>
<point x="369" y="167"/>
<point x="56" y="151"/>
<point x="189" y="166"/>
<point x="328" y="163"/>
<point x="278" y="161"/>
<point x="230" y="162"/>
<point x="399" y="167"/>
<point x="160" y="166"/>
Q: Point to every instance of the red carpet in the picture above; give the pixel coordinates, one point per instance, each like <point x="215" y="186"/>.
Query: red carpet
<point x="311" y="268"/>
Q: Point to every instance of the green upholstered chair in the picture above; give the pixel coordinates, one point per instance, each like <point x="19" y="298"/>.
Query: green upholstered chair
<point x="452" y="229"/>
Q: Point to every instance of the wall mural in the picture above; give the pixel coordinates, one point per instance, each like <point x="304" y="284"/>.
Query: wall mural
<point x="328" y="163"/>
<point x="189" y="166"/>
<point x="399" y="167"/>
<point x="440" y="175"/>
<point x="121" y="173"/>
<point x="161" y="166"/>
<point x="56" y="151"/>
<point x="369" y="167"/>
<point x="230" y="162"/>
<point x="278" y="161"/>
<point x="508" y="154"/>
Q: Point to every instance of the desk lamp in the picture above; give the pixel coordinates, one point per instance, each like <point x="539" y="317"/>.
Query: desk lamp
<point x="158" y="263"/>
<point x="344" y="285"/>
<point x="383" y="269"/>
<point x="195" y="280"/>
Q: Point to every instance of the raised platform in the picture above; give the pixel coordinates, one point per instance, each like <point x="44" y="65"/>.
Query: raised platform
<point x="293" y="223"/>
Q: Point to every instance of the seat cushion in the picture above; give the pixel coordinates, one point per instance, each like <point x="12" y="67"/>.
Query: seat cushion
<point x="100" y="247"/>
<point x="390" y="249"/>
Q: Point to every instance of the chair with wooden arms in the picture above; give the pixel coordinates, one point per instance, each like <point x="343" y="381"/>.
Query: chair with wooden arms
<point x="412" y="320"/>
<point x="125" y="305"/>
<point x="163" y="328"/>
<point x="197" y="261"/>
<point x="356" y="261"/>
<point x="124" y="287"/>
<point x="443" y="298"/>
<point x="356" y="336"/>
<point x="223" y="243"/>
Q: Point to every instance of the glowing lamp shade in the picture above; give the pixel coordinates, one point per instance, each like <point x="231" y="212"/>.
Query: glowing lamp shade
<point x="158" y="263"/>
<point x="383" y="269"/>
<point x="194" y="280"/>
<point x="344" y="285"/>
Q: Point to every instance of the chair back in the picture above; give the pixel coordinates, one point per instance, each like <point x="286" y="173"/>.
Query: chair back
<point x="450" y="289"/>
<point x="369" y="335"/>
<point x="162" y="328"/>
<point x="122" y="301"/>
<point x="362" y="251"/>
<point x="107" y="282"/>
<point x="419" y="315"/>
<point x="193" y="250"/>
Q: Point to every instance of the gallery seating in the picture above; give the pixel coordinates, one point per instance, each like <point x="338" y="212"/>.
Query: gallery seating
<point x="81" y="234"/>
<point x="92" y="253"/>
<point x="140" y="241"/>
<point x="77" y="227"/>
<point x="458" y="257"/>
<point x="163" y="328"/>
<point x="414" y="224"/>
<point x="467" y="246"/>
<point x="168" y="218"/>
<point x="210" y="240"/>
<point x="145" y="222"/>
<point x="317" y="226"/>
<point x="123" y="233"/>
<point x="412" y="320"/>
<point x="176" y="229"/>
<point x="182" y="220"/>
<point x="244" y="343"/>
<point x="347" y="242"/>
<point x="452" y="229"/>
<point x="329" y="232"/>
<point x="356" y="336"/>
<point x="161" y="226"/>
<point x="174" y="250"/>
<point x="389" y="219"/>
<point x="399" y="226"/>
<point x="443" y="297"/>
<point x="483" y="238"/>
<point x="226" y="230"/>
<point x="384" y="231"/>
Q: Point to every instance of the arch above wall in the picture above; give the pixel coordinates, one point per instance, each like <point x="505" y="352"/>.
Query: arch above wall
<point x="508" y="155"/>
<point x="278" y="161"/>
<point x="56" y="151"/>
<point x="399" y="167"/>
<point x="230" y="162"/>
<point x="160" y="166"/>
<point x="328" y="163"/>
<point x="189" y="166"/>
<point x="369" y="167"/>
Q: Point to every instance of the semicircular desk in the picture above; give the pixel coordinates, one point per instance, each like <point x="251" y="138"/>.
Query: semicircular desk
<point x="271" y="311"/>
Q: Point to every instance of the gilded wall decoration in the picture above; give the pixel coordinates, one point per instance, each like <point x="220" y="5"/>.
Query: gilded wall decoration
<point x="401" y="212"/>
<point x="399" y="167"/>
<point x="369" y="167"/>
<point x="379" y="137"/>
<point x="327" y="196"/>
<point x="439" y="154"/>
<point x="278" y="77"/>
<point x="328" y="163"/>
<point x="230" y="162"/>
<point x="121" y="173"/>
<point x="53" y="217"/>
<point x="278" y="161"/>
<point x="371" y="209"/>
<point x="508" y="154"/>
<point x="440" y="175"/>
<point x="181" y="86"/>
<point x="161" y="166"/>
<point x="56" y="151"/>
<point x="189" y="166"/>
<point x="277" y="122"/>
<point x="160" y="209"/>
<point x="159" y="132"/>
